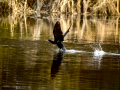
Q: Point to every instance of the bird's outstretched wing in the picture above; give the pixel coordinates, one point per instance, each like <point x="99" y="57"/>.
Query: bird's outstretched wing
<point x="67" y="31"/>
<point x="58" y="35"/>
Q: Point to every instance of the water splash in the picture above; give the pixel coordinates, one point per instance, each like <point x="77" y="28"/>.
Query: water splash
<point x="97" y="50"/>
<point x="71" y="51"/>
<point x="99" y="53"/>
<point x="74" y="51"/>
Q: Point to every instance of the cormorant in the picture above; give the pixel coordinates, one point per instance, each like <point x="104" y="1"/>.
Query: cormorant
<point x="58" y="36"/>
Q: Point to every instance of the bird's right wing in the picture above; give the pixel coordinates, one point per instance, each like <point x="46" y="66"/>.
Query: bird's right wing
<point x="67" y="31"/>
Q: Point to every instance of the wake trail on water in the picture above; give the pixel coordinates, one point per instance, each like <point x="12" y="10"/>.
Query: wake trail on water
<point x="97" y="51"/>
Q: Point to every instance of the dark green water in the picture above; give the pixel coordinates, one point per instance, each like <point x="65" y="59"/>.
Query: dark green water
<point x="29" y="62"/>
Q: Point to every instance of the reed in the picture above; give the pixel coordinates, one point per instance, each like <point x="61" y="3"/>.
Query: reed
<point x="4" y="7"/>
<point x="118" y="6"/>
<point x="96" y="7"/>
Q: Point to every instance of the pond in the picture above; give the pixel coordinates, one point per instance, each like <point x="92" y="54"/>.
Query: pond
<point x="29" y="62"/>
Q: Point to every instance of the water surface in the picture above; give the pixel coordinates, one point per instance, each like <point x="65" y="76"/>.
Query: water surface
<point x="29" y="61"/>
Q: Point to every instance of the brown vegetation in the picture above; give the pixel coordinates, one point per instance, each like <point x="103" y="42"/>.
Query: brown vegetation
<point x="4" y="7"/>
<point x="96" y="7"/>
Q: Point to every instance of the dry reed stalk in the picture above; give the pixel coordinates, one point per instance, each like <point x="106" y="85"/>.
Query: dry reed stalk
<point x="118" y="6"/>
<point x="20" y="7"/>
<point x="107" y="7"/>
<point x="86" y="5"/>
<point x="25" y="5"/>
<point x="62" y="6"/>
<point x="78" y="6"/>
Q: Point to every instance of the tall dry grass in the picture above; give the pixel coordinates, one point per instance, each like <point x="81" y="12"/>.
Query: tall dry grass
<point x="97" y="7"/>
<point x="108" y="7"/>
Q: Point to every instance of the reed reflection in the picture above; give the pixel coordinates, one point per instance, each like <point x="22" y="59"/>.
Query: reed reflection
<point x="84" y="29"/>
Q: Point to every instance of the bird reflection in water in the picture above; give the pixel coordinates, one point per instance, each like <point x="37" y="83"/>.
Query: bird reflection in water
<point x="57" y="60"/>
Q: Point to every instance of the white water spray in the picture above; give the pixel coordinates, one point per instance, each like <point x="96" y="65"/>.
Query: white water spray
<point x="98" y="50"/>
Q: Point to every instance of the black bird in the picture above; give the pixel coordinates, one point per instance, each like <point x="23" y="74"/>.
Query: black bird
<point x="58" y="36"/>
